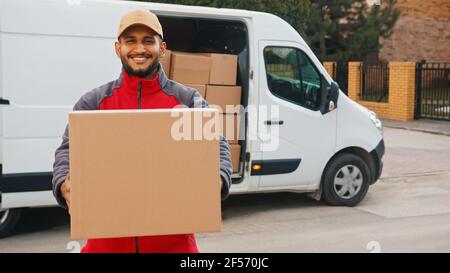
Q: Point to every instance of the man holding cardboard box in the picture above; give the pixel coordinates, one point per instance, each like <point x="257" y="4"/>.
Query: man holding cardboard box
<point x="142" y="85"/>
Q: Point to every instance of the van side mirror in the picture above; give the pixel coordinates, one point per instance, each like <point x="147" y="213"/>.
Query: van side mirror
<point x="334" y="89"/>
<point x="330" y="94"/>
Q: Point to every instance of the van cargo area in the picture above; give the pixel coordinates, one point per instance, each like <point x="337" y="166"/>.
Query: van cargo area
<point x="200" y="35"/>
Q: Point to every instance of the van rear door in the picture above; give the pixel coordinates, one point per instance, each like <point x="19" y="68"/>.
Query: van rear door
<point x="46" y="67"/>
<point x="298" y="136"/>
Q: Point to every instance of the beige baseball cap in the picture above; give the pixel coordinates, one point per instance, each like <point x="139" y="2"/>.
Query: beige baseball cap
<point x="140" y="17"/>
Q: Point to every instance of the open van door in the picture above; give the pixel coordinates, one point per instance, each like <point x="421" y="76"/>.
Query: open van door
<point x="298" y="133"/>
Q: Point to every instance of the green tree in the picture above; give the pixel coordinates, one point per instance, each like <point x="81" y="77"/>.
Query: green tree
<point x="349" y="29"/>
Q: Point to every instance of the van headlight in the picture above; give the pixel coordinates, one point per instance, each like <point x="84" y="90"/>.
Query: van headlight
<point x="376" y="121"/>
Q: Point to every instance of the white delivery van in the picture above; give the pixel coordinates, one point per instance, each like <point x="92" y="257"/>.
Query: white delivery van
<point x="311" y="139"/>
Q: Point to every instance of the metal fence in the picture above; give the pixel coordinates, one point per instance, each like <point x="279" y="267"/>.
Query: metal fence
<point x="433" y="90"/>
<point x="340" y="74"/>
<point x="375" y="82"/>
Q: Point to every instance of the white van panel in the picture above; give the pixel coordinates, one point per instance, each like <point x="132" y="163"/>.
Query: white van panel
<point x="42" y="88"/>
<point x="28" y="199"/>
<point x="34" y="122"/>
<point x="31" y="138"/>
<point x="42" y="75"/>
<point x="354" y="128"/>
<point x="29" y="155"/>
<point x="39" y="17"/>
<point x="269" y="27"/>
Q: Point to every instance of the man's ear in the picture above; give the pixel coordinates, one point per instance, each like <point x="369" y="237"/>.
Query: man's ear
<point x="162" y="49"/>
<point x="117" y="48"/>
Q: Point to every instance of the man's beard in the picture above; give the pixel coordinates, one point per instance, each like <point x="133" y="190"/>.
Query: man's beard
<point x="143" y="73"/>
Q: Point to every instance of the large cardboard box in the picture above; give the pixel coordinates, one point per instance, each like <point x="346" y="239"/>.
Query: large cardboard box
<point x="235" y="153"/>
<point x="229" y="127"/>
<point x="165" y="62"/>
<point x="190" y="68"/>
<point x="131" y="175"/>
<point x="223" y="96"/>
<point x="223" y="69"/>
<point x="201" y="88"/>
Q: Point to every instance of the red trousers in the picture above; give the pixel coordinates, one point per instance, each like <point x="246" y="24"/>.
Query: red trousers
<point x="183" y="243"/>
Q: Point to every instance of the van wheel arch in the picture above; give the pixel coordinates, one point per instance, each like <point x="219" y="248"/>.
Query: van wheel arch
<point x="357" y="151"/>
<point x="363" y="154"/>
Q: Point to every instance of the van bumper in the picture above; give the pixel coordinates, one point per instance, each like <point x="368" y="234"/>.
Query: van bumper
<point x="377" y="155"/>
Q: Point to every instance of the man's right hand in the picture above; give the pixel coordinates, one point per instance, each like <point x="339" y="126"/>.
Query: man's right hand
<point x="65" y="191"/>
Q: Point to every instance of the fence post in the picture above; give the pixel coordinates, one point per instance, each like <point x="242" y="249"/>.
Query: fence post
<point x="331" y="68"/>
<point x="354" y="80"/>
<point x="402" y="78"/>
<point x="417" y="106"/>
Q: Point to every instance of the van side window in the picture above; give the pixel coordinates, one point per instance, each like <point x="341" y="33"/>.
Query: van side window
<point x="292" y="76"/>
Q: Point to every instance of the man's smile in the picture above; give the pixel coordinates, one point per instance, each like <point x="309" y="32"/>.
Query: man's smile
<point x="139" y="59"/>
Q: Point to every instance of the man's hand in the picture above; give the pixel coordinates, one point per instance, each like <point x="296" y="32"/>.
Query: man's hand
<point x="65" y="191"/>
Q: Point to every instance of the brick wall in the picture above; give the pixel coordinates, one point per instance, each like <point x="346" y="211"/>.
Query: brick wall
<point x="400" y="105"/>
<point x="422" y="32"/>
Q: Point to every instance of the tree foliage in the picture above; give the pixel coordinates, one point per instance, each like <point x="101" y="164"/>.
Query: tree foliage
<point x="349" y="29"/>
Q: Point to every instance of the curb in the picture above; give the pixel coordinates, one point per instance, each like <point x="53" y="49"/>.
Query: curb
<point x="418" y="130"/>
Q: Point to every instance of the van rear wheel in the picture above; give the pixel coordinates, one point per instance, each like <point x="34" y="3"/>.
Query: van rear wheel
<point x="346" y="180"/>
<point x="8" y="220"/>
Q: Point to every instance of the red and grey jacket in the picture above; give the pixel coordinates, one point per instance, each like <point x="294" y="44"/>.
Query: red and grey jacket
<point x="129" y="92"/>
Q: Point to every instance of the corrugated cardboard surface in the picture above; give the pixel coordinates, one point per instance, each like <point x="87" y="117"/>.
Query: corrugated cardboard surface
<point x="235" y="152"/>
<point x="190" y="68"/>
<point x="223" y="69"/>
<point x="201" y="88"/>
<point x="223" y="96"/>
<point x="165" y="61"/>
<point x="130" y="177"/>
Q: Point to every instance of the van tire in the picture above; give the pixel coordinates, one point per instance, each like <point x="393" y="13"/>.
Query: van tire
<point x="346" y="180"/>
<point x="8" y="221"/>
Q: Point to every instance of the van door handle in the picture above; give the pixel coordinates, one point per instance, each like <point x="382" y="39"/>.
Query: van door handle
<point x="4" y="102"/>
<point x="273" y="122"/>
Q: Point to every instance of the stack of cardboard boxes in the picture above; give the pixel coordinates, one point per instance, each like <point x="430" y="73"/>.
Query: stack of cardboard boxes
<point x="214" y="77"/>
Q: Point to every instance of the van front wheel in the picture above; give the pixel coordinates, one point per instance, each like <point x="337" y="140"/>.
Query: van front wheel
<point x="346" y="181"/>
<point x="8" y="220"/>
